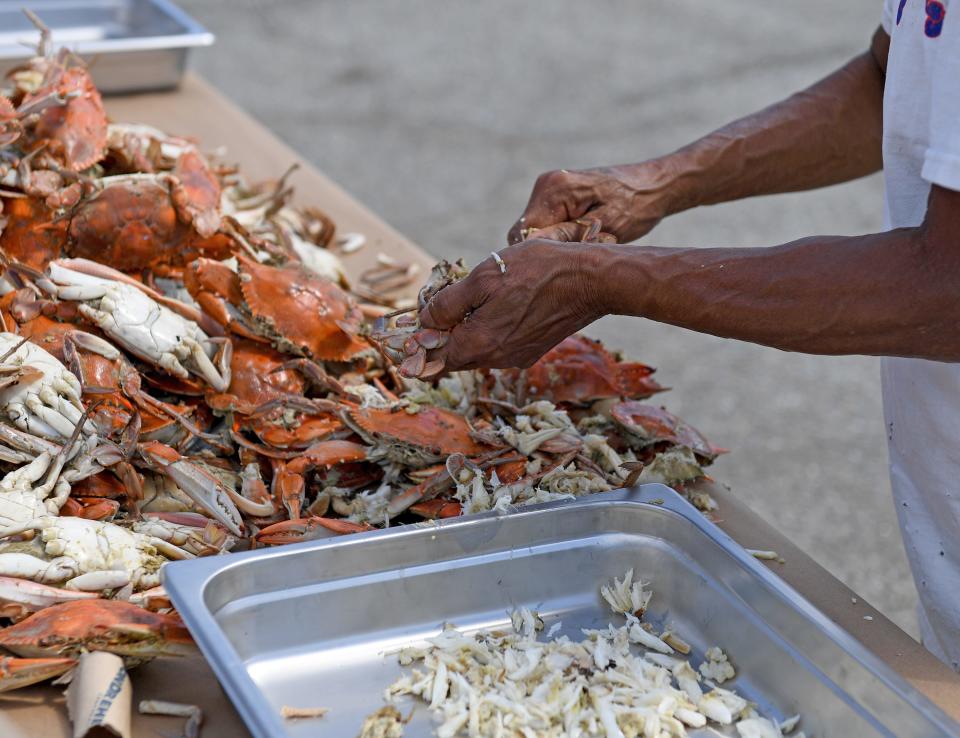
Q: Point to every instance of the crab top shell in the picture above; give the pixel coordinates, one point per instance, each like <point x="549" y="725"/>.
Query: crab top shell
<point x="77" y="129"/>
<point x="97" y="625"/>
<point x="256" y="378"/>
<point x="580" y="370"/>
<point x="31" y="236"/>
<point x="441" y="432"/>
<point x="301" y="311"/>
<point x="654" y="425"/>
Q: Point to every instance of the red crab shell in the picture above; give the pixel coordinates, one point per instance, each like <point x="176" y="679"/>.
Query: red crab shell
<point x="75" y="132"/>
<point x="32" y="236"/>
<point x="656" y="425"/>
<point x="256" y="378"/>
<point x="580" y="370"/>
<point x="133" y="225"/>
<point x="96" y="625"/>
<point x="296" y="310"/>
<point x="433" y="428"/>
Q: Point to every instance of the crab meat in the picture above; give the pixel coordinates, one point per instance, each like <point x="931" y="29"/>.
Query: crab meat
<point x="70" y="628"/>
<point x="137" y="322"/>
<point x="89" y="555"/>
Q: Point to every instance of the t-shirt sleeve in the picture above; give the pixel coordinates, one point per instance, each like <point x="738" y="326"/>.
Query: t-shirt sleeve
<point x="941" y="165"/>
<point x="886" y="18"/>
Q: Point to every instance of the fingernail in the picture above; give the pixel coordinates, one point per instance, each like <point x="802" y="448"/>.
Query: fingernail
<point x="430" y="338"/>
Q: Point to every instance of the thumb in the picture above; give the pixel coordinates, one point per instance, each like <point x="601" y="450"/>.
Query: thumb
<point x="449" y="306"/>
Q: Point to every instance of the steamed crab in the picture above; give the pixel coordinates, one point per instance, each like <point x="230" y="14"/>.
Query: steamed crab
<point x="142" y="220"/>
<point x="37" y="392"/>
<point x="138" y="322"/>
<point x="67" y="629"/>
<point x="417" y="438"/>
<point x="88" y="555"/>
<point x="297" y="311"/>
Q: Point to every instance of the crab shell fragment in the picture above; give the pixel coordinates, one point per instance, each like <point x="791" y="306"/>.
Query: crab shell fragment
<point x="655" y="425"/>
<point x="97" y="625"/>
<point x="435" y="429"/>
<point x="579" y="370"/>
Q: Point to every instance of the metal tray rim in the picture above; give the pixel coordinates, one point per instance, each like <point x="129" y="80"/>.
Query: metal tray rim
<point x="187" y="592"/>
<point x="194" y="35"/>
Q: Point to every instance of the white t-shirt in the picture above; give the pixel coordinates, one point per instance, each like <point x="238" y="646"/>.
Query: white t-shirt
<point x="921" y="146"/>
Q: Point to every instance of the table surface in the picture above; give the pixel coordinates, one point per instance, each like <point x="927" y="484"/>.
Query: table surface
<point x="198" y="110"/>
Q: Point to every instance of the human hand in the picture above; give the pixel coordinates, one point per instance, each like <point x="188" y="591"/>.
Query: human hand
<point x="626" y="202"/>
<point x="511" y="318"/>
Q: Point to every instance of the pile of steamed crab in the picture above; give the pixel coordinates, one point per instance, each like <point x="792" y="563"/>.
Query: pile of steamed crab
<point x="185" y="370"/>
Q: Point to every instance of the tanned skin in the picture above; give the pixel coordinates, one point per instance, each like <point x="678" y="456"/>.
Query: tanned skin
<point x="893" y="294"/>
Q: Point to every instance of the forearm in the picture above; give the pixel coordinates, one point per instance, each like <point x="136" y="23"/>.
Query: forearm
<point x="826" y="134"/>
<point x="892" y="294"/>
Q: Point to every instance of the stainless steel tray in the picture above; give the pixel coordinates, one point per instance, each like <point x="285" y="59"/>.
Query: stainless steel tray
<point x="130" y="45"/>
<point x="309" y="625"/>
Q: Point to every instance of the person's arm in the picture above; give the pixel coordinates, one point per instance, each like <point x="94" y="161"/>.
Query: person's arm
<point x="893" y="294"/>
<point x="826" y="134"/>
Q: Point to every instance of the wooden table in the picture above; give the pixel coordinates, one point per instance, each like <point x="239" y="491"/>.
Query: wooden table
<point x="196" y="109"/>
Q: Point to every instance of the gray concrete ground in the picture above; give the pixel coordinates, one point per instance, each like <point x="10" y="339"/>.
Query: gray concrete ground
<point x="439" y="115"/>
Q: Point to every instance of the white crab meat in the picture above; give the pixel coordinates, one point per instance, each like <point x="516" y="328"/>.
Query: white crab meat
<point x="91" y="555"/>
<point x="626" y="596"/>
<point x="717" y="667"/>
<point x="45" y="399"/>
<point x="141" y="325"/>
<point x="757" y="727"/>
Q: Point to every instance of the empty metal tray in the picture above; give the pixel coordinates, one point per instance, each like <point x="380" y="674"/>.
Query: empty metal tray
<point x="130" y="45"/>
<point x="309" y="625"/>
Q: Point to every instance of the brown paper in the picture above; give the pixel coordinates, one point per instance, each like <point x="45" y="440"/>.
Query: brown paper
<point x="99" y="697"/>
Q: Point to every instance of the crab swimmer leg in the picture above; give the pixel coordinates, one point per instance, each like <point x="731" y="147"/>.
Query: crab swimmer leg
<point x="206" y="368"/>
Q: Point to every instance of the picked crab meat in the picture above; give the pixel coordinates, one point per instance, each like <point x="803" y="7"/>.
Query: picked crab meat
<point x="67" y="629"/>
<point x="140" y="324"/>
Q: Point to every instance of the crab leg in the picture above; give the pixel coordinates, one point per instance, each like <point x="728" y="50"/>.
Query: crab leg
<point x="218" y="378"/>
<point x="16" y="673"/>
<point x="27" y="566"/>
<point x="204" y="488"/>
<point x="308" y="529"/>
<point x="20" y="597"/>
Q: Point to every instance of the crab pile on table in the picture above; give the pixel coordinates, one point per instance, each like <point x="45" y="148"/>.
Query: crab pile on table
<point x="185" y="370"/>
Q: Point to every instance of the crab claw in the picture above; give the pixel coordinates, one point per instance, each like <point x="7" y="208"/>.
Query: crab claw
<point x="307" y="529"/>
<point x="16" y="673"/>
<point x="204" y="488"/>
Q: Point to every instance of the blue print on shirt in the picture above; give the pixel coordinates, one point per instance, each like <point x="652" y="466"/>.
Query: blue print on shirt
<point x="936" y="12"/>
<point x="900" y="11"/>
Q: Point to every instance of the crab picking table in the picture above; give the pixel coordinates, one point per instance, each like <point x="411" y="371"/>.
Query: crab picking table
<point x="196" y="109"/>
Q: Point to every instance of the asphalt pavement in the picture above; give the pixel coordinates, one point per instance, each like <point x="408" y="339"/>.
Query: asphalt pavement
<point x="440" y="115"/>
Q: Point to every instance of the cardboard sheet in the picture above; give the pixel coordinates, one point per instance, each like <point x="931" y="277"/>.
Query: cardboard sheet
<point x="198" y="110"/>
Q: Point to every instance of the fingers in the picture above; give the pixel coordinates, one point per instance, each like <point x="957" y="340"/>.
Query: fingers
<point x="557" y="196"/>
<point x="575" y="230"/>
<point x="449" y="306"/>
